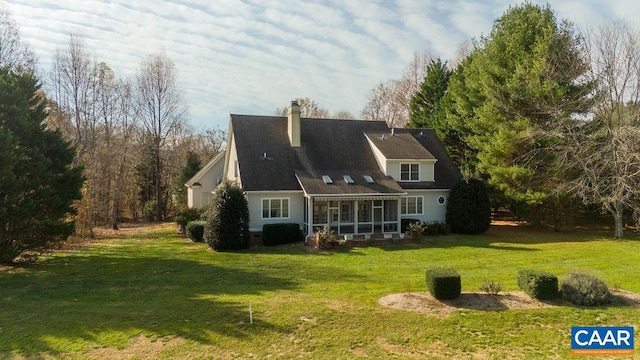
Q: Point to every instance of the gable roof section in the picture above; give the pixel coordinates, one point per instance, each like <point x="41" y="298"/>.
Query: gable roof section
<point x="196" y="178"/>
<point x="445" y="170"/>
<point x="256" y="135"/>
<point x="399" y="146"/>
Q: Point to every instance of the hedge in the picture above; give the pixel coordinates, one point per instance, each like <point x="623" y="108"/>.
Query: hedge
<point x="443" y="283"/>
<point x="195" y="230"/>
<point x="539" y="285"/>
<point x="278" y="234"/>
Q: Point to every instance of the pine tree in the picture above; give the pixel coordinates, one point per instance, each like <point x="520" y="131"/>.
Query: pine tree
<point x="39" y="181"/>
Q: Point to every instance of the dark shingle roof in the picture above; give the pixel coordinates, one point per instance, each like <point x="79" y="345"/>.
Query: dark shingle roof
<point x="329" y="147"/>
<point x="256" y="135"/>
<point x="399" y="146"/>
<point x="446" y="172"/>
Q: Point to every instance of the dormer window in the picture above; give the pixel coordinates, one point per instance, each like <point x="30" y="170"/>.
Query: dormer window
<point x="410" y="172"/>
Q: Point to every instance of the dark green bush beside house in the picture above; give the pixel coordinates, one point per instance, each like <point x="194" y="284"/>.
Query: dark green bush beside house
<point x="539" y="285"/>
<point x="187" y="215"/>
<point x="468" y="207"/>
<point x="195" y="230"/>
<point x="227" y="227"/>
<point x="278" y="234"/>
<point x="585" y="290"/>
<point x="443" y="283"/>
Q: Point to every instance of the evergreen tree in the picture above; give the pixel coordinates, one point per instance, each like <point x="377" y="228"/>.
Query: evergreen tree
<point x="468" y="207"/>
<point x="190" y="168"/>
<point x="426" y="110"/>
<point x="39" y="182"/>
<point x="227" y="226"/>
<point x="524" y="80"/>
<point x="433" y="107"/>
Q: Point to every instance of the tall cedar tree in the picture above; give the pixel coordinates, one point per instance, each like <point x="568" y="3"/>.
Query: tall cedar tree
<point x="523" y="80"/>
<point x="468" y="207"/>
<point x="39" y="183"/>
<point x="432" y="107"/>
<point x="190" y="168"/>
<point x="227" y="226"/>
<point x="425" y="104"/>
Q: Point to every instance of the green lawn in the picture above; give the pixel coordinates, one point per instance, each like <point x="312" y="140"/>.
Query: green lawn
<point x="154" y="295"/>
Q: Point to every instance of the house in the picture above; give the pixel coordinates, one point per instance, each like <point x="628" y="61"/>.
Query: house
<point x="359" y="177"/>
<point x="201" y="186"/>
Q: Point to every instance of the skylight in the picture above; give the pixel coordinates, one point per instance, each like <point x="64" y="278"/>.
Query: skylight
<point x="347" y="179"/>
<point x="368" y="179"/>
<point x="327" y="179"/>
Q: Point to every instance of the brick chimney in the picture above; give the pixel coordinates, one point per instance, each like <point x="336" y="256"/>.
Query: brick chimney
<point x="293" y="124"/>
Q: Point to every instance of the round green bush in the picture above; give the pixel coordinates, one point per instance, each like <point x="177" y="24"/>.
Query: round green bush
<point x="227" y="219"/>
<point x="585" y="290"/>
<point x="195" y="230"/>
<point x="468" y="207"/>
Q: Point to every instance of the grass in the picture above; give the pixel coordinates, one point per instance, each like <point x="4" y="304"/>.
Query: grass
<point x="154" y="295"/>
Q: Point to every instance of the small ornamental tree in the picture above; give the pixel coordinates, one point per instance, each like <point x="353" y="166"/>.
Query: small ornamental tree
<point x="468" y="208"/>
<point x="227" y="226"/>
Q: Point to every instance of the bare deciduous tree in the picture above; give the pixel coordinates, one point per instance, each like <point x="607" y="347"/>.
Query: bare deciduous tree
<point x="604" y="152"/>
<point x="390" y="101"/>
<point x="14" y="53"/>
<point x="161" y="109"/>
<point x="309" y="108"/>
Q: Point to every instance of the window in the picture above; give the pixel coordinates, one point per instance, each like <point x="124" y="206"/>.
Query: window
<point x="275" y="208"/>
<point x="409" y="172"/>
<point x="442" y="200"/>
<point x="327" y="179"/>
<point x="411" y="205"/>
<point x="347" y="179"/>
<point x="368" y="179"/>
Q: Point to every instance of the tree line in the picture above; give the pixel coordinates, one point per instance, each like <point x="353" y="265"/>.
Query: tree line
<point x="130" y="136"/>
<point x="545" y="114"/>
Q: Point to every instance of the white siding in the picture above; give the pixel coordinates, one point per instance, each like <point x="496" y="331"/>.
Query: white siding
<point x="380" y="159"/>
<point x="296" y="208"/>
<point x="232" y="167"/>
<point x="199" y="197"/>
<point x="433" y="211"/>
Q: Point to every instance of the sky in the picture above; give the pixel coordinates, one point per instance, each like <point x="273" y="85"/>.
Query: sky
<point x="253" y="56"/>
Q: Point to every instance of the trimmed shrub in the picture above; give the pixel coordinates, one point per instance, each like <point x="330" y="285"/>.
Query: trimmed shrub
<point x="539" y="285"/>
<point x="585" y="290"/>
<point x="185" y="216"/>
<point x="436" y="228"/>
<point x="468" y="208"/>
<point x="404" y="224"/>
<point x="278" y="234"/>
<point x="227" y="225"/>
<point x="195" y="230"/>
<point x="443" y="283"/>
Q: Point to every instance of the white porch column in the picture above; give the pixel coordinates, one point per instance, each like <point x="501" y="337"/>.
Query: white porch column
<point x="310" y="215"/>
<point x="355" y="216"/>
<point x="399" y="216"/>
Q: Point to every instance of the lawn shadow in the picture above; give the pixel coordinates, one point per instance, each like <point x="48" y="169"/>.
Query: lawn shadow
<point x="87" y="298"/>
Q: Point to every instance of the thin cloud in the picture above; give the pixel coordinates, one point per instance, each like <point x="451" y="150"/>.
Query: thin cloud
<point x="253" y="56"/>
